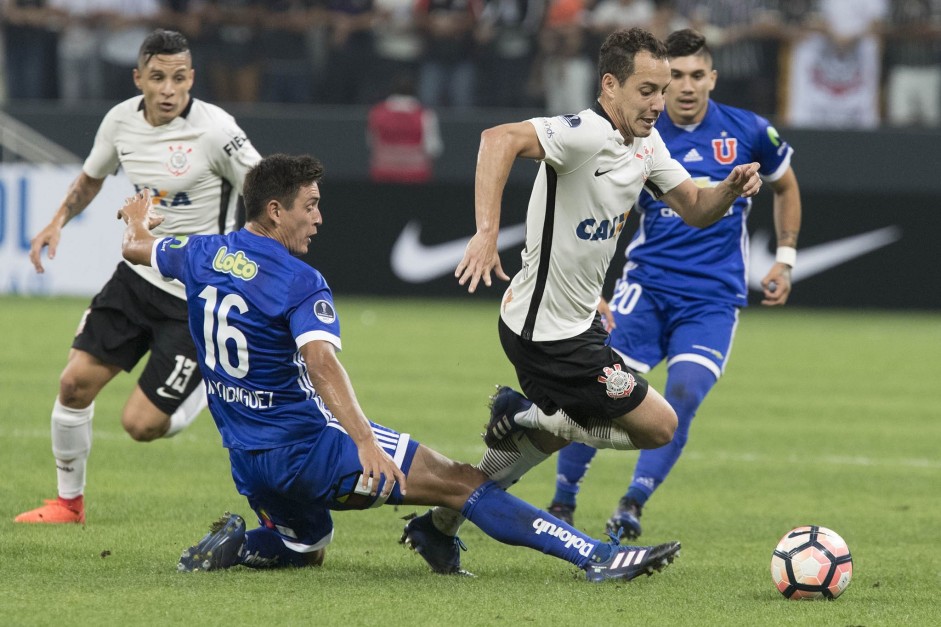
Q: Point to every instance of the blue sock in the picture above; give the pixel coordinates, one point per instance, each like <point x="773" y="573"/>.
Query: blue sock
<point x="263" y="548"/>
<point x="510" y="520"/>
<point x="572" y="465"/>
<point x="687" y="386"/>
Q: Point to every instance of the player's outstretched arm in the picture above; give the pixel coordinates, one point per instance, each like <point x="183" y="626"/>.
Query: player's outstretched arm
<point x="81" y="192"/>
<point x="700" y="207"/>
<point x="140" y="217"/>
<point x="331" y="381"/>
<point x="787" y="224"/>
<point x="500" y="146"/>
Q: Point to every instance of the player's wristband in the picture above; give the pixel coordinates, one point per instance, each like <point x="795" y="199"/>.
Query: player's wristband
<point x="786" y="255"/>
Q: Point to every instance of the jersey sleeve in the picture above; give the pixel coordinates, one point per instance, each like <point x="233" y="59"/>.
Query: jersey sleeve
<point x="310" y="311"/>
<point x="665" y="171"/>
<point x="103" y="158"/>
<point x="168" y="257"/>
<point x="568" y="140"/>
<point x="233" y="153"/>
<point x="771" y="151"/>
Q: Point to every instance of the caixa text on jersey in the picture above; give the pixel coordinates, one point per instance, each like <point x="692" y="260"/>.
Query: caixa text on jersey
<point x="591" y="229"/>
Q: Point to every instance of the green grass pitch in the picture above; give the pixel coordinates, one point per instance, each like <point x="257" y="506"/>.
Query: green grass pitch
<point x="828" y="418"/>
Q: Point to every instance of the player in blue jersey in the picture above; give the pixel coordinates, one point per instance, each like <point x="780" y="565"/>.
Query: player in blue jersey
<point x="682" y="288"/>
<point x="267" y="335"/>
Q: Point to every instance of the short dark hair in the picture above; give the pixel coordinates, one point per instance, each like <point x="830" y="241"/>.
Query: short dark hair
<point x="278" y="177"/>
<point x="686" y="43"/>
<point x="620" y="47"/>
<point x="161" y="41"/>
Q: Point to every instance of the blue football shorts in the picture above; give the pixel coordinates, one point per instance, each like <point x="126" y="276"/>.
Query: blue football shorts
<point x="653" y="326"/>
<point x="293" y="488"/>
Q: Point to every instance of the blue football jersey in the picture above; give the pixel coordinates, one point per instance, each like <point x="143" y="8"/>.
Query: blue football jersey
<point x="711" y="263"/>
<point x="251" y="307"/>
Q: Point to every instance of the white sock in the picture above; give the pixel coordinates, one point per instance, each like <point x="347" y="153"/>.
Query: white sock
<point x="505" y="463"/>
<point x="186" y="413"/>
<point x="528" y="418"/>
<point x="600" y="433"/>
<point x="71" y="444"/>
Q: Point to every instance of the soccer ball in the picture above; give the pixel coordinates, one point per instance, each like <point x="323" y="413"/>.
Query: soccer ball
<point x="811" y="563"/>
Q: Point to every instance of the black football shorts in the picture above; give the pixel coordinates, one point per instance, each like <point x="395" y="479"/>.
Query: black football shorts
<point x="131" y="316"/>
<point x="582" y="375"/>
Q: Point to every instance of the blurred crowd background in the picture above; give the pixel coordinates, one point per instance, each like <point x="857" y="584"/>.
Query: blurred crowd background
<point x="803" y="63"/>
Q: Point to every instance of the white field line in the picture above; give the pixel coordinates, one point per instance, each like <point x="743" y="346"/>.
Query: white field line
<point x="471" y="453"/>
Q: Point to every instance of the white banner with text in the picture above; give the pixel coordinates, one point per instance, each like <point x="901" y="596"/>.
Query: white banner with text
<point x="90" y="244"/>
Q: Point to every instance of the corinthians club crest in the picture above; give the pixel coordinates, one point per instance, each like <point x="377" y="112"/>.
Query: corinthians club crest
<point x="179" y="163"/>
<point x="619" y="383"/>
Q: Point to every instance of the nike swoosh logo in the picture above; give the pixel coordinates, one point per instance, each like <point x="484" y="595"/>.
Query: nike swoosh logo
<point x="819" y="258"/>
<point x="599" y="171"/>
<point x="162" y="392"/>
<point x="126" y="152"/>
<point x="414" y="262"/>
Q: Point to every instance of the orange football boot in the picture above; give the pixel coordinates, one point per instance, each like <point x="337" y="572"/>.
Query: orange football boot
<point x="56" y="511"/>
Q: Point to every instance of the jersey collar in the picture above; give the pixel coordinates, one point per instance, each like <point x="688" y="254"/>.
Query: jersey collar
<point x="597" y="108"/>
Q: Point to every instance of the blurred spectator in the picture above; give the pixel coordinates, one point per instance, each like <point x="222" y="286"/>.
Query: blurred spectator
<point x="403" y="137"/>
<point x="569" y="77"/>
<point x="666" y="19"/>
<point x="351" y="53"/>
<point x="186" y="17"/>
<point x="508" y="35"/>
<point x="608" y="16"/>
<point x="447" y="74"/>
<point x="286" y="70"/>
<point x="744" y="38"/>
<point x="30" y="38"/>
<point x="124" y="24"/>
<point x="913" y="60"/>
<point x="229" y="39"/>
<point x="79" y="67"/>
<point x="398" y="42"/>
<point x="835" y="68"/>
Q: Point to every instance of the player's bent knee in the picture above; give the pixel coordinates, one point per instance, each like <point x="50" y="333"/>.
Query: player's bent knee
<point x="144" y="429"/>
<point x="657" y="430"/>
<point x="73" y="392"/>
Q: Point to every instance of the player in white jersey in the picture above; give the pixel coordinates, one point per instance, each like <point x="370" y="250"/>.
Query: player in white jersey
<point x="682" y="288"/>
<point x="593" y="166"/>
<point x="192" y="156"/>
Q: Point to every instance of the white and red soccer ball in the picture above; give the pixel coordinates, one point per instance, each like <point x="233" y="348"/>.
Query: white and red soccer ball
<point x="811" y="563"/>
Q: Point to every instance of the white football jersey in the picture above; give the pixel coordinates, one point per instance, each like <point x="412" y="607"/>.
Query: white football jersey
<point x="584" y="191"/>
<point x="194" y="167"/>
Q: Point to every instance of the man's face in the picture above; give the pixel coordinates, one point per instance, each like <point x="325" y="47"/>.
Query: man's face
<point x="688" y="93"/>
<point x="639" y="101"/>
<point x="166" y="82"/>
<point x="300" y="222"/>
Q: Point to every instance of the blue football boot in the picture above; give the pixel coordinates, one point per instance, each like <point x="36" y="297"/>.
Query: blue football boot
<point x="626" y="519"/>
<point x="629" y="562"/>
<point x="218" y="549"/>
<point x="505" y="404"/>
<point x="441" y="551"/>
